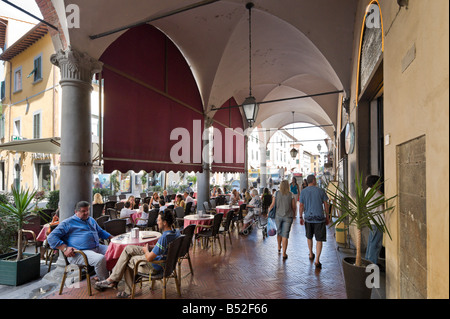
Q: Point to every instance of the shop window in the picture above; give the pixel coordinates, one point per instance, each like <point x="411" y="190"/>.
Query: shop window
<point x="43" y="176"/>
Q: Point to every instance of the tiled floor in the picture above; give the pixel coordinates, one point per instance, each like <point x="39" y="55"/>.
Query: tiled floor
<point x="250" y="269"/>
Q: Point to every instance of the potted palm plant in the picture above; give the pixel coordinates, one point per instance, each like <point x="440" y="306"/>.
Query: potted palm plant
<point x="360" y="211"/>
<point x="18" y="267"/>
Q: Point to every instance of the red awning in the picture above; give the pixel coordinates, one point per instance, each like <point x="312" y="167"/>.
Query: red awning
<point x="229" y="157"/>
<point x="152" y="105"/>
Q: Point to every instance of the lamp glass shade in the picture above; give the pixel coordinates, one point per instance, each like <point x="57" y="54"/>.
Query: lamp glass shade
<point x="250" y="109"/>
<point x="294" y="152"/>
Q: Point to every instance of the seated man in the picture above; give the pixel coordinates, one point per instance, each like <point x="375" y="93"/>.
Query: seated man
<point x="162" y="205"/>
<point x="188" y="199"/>
<point x="127" y="211"/>
<point x="131" y="254"/>
<point x="81" y="232"/>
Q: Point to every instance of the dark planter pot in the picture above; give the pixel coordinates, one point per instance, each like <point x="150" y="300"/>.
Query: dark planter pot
<point x="355" y="278"/>
<point x="15" y="273"/>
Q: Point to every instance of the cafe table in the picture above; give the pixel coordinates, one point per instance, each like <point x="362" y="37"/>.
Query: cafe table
<point x="198" y="220"/>
<point x="226" y="208"/>
<point x="118" y="244"/>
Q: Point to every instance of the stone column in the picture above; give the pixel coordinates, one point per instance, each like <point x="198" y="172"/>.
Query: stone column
<point x="203" y="193"/>
<point x="243" y="177"/>
<point x="263" y="165"/>
<point x="77" y="70"/>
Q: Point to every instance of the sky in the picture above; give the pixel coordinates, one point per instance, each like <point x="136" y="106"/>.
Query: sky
<point x="9" y="11"/>
<point x="306" y="132"/>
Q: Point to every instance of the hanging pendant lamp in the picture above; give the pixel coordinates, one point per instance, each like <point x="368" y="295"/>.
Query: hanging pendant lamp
<point x="250" y="106"/>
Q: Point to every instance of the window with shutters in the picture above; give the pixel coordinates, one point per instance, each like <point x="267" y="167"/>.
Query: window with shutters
<point x="37" y="124"/>
<point x="37" y="68"/>
<point x="18" y="79"/>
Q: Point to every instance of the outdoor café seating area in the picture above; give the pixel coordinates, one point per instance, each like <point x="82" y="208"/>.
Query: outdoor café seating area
<point x="218" y="261"/>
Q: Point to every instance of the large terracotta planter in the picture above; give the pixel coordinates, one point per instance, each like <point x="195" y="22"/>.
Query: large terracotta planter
<point x="15" y="273"/>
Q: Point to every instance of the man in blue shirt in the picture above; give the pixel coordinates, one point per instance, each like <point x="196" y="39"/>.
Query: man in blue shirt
<point x="132" y="254"/>
<point x="312" y="202"/>
<point x="81" y="232"/>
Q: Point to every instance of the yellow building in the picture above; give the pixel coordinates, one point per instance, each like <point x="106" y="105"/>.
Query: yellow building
<point x="30" y="108"/>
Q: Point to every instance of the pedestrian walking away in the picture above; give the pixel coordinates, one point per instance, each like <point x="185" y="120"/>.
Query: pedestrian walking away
<point x="313" y="201"/>
<point x="286" y="206"/>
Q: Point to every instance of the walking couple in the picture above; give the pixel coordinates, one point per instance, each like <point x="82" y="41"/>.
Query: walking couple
<point x="311" y="200"/>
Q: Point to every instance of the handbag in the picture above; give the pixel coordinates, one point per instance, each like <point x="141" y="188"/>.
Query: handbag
<point x="271" y="227"/>
<point x="273" y="211"/>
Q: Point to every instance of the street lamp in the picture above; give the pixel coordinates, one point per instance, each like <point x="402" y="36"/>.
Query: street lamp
<point x="250" y="106"/>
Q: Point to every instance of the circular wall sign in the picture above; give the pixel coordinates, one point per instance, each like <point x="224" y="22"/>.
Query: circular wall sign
<point x="349" y="138"/>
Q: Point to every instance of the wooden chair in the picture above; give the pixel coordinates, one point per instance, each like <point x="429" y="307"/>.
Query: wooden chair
<point x="112" y="198"/>
<point x="143" y="195"/>
<point x="211" y="232"/>
<point x="122" y="196"/>
<point x="184" y="250"/>
<point x="225" y="229"/>
<point x="168" y="265"/>
<point x="81" y="268"/>
<point x="116" y="226"/>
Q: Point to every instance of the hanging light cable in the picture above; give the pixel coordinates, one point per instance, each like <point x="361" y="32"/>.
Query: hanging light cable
<point x="294" y="151"/>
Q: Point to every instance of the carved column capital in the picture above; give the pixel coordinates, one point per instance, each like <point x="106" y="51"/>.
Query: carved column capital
<point x="76" y="65"/>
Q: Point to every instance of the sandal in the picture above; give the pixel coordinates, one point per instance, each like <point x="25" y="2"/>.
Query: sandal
<point x="313" y="256"/>
<point x="122" y="294"/>
<point x="318" y="265"/>
<point x="105" y="284"/>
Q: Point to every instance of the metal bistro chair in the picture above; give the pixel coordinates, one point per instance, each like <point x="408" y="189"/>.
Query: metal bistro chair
<point x="179" y="215"/>
<point x="169" y="269"/>
<point x="211" y="233"/>
<point x="110" y="204"/>
<point x="116" y="226"/>
<point x="207" y="208"/>
<point x="225" y="230"/>
<point x="101" y="220"/>
<point x="187" y="210"/>
<point x="119" y="206"/>
<point x="184" y="250"/>
<point x="49" y="253"/>
<point x="112" y="213"/>
<point x="81" y="268"/>
<point x="97" y="210"/>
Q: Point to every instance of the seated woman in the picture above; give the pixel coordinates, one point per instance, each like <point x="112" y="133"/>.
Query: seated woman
<point x="144" y="216"/>
<point x="132" y="201"/>
<point x="234" y="198"/>
<point x="98" y="199"/>
<point x="155" y="200"/>
<point x="131" y="254"/>
<point x="179" y="202"/>
<point x="253" y="208"/>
